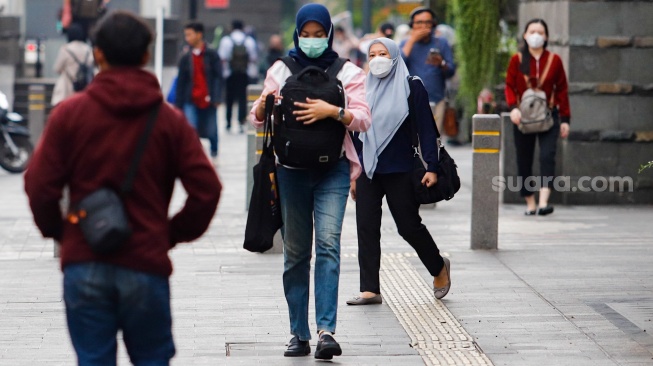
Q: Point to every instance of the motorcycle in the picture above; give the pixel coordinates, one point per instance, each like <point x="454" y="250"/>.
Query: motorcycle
<point x="15" y="146"/>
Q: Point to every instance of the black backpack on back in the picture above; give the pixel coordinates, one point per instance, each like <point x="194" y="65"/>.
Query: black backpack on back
<point x="239" y="57"/>
<point x="317" y="145"/>
<point x="84" y="73"/>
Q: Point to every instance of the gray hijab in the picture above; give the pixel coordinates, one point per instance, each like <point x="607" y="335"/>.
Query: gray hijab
<point x="388" y="101"/>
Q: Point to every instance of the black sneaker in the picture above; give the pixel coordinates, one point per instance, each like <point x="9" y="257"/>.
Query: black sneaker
<point x="327" y="347"/>
<point x="297" y="348"/>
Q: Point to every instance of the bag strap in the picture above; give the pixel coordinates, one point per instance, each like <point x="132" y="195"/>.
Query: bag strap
<point x="294" y="67"/>
<point x="332" y="71"/>
<point x="267" y="126"/>
<point x="126" y="186"/>
<point x="335" y="67"/>
<point x="75" y="57"/>
<point x="414" y="135"/>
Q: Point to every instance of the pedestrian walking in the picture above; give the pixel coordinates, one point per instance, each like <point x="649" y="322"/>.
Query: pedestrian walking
<point x="386" y="154"/>
<point x="199" y="85"/>
<point x="430" y="58"/>
<point x="535" y="68"/>
<point x="68" y="63"/>
<point x="84" y="13"/>
<point x="87" y="146"/>
<point x="276" y="50"/>
<point x="313" y="200"/>
<point x="239" y="55"/>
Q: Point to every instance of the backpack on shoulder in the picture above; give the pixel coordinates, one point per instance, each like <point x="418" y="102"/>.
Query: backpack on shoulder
<point x="89" y="9"/>
<point x="535" y="110"/>
<point x="84" y="73"/>
<point x="317" y="145"/>
<point x="239" y="57"/>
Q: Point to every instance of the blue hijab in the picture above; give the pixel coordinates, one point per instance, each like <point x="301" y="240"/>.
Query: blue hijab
<point x="320" y="14"/>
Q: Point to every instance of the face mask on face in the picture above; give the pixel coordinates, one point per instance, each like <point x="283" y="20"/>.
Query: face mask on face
<point x="535" y="40"/>
<point x="313" y="47"/>
<point x="380" y="66"/>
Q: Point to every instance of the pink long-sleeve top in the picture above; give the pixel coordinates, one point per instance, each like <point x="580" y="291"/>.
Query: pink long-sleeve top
<point x="353" y="80"/>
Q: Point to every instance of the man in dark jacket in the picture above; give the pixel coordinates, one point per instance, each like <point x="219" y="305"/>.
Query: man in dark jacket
<point x="199" y="85"/>
<point x="88" y="143"/>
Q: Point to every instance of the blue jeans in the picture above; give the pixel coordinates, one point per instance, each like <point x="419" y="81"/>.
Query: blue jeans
<point x="102" y="298"/>
<point x="307" y="197"/>
<point x="205" y="122"/>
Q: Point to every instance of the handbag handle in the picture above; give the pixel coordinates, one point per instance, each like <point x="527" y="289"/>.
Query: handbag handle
<point x="267" y="125"/>
<point x="126" y="186"/>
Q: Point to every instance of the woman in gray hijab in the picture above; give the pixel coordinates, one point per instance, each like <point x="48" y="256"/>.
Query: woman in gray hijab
<point x="386" y="154"/>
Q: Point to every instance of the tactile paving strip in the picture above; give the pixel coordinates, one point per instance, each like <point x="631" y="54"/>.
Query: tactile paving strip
<point x="434" y="332"/>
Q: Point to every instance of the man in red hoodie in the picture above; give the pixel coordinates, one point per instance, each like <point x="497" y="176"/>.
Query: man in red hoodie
<point x="88" y="144"/>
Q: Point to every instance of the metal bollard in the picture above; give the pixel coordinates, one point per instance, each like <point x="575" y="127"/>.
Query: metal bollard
<point x="254" y="149"/>
<point x="486" y="142"/>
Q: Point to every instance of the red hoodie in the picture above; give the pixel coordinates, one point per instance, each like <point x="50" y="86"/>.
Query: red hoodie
<point x="89" y="142"/>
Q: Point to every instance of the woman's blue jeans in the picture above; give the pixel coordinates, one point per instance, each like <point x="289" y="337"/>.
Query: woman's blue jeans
<point x="309" y="197"/>
<point x="102" y="298"/>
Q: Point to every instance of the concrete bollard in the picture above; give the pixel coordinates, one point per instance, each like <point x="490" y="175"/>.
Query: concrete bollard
<point x="486" y="142"/>
<point x="254" y="148"/>
<point x="36" y="111"/>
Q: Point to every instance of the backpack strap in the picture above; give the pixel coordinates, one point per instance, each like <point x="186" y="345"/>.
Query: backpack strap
<point x="294" y="67"/>
<point x="75" y="57"/>
<point x="545" y="72"/>
<point x="335" y="67"/>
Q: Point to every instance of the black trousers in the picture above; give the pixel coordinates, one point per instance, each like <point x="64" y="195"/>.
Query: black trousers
<point x="397" y="189"/>
<point x="525" y="145"/>
<point x="236" y="92"/>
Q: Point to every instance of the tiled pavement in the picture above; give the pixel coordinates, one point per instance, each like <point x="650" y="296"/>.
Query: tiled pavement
<point x="574" y="288"/>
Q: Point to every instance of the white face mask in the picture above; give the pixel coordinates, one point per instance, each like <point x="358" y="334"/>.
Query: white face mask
<point x="380" y="66"/>
<point x="535" y="40"/>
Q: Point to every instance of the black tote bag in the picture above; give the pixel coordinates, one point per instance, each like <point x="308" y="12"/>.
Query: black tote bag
<point x="264" y="216"/>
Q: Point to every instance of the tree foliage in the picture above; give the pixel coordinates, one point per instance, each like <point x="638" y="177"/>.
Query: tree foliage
<point x="477" y="38"/>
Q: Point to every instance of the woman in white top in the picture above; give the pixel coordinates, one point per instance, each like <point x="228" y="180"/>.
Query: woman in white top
<point x="66" y="66"/>
<point x="313" y="201"/>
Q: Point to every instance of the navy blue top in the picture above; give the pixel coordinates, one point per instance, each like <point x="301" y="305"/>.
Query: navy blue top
<point x="397" y="157"/>
<point x="433" y="75"/>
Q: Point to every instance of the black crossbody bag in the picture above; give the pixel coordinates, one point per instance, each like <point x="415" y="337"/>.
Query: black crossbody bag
<point x="101" y="215"/>
<point x="448" y="182"/>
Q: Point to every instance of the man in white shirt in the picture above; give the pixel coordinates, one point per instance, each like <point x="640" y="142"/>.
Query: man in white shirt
<point x="239" y="56"/>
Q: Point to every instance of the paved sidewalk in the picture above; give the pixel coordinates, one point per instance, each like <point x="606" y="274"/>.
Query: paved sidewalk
<point x="574" y="288"/>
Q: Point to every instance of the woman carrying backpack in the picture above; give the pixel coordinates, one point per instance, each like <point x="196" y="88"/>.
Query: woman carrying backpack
<point x="315" y="199"/>
<point x="537" y="69"/>
<point x="67" y="63"/>
<point x="396" y="100"/>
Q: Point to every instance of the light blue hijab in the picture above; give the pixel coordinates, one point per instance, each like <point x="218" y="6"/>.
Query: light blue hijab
<point x="388" y="101"/>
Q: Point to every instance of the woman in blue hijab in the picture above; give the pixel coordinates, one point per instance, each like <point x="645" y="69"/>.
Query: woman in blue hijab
<point x="387" y="157"/>
<point x="313" y="201"/>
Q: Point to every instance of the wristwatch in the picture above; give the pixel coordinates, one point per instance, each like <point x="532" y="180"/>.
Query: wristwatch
<point x="341" y="114"/>
<point x="443" y="63"/>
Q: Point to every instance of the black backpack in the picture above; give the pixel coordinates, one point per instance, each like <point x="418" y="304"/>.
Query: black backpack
<point x="84" y="73"/>
<point x="239" y="57"/>
<point x="89" y="9"/>
<point x="318" y="145"/>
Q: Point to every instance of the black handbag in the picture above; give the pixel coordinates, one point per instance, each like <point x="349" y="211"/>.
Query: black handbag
<point x="264" y="215"/>
<point x="448" y="182"/>
<point x="101" y="214"/>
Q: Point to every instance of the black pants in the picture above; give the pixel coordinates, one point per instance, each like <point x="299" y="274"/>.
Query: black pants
<point x="236" y="92"/>
<point x="525" y="145"/>
<point x="405" y="212"/>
